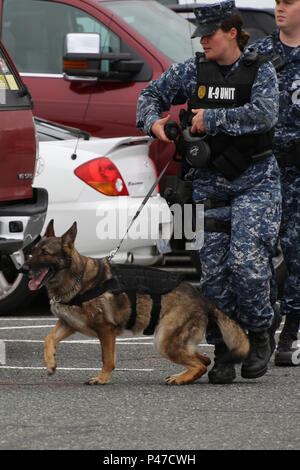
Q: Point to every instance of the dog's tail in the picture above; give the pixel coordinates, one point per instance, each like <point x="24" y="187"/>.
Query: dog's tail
<point x="234" y="337"/>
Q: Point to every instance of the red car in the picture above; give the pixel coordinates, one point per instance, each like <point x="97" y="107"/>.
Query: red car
<point x="22" y="208"/>
<point x="139" y="38"/>
<point x="142" y="35"/>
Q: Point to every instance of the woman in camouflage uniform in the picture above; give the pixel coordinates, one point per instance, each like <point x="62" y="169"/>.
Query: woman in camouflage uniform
<point x="233" y="98"/>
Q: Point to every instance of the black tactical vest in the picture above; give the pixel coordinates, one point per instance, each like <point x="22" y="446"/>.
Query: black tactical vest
<point x="213" y="90"/>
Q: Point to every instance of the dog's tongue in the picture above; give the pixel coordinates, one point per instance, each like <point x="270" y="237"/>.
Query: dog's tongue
<point x="35" y="282"/>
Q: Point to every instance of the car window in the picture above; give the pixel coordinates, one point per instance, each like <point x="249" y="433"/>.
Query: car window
<point x="168" y="2"/>
<point x="258" y="23"/>
<point x="167" y="31"/>
<point x="13" y="95"/>
<point x="34" y="32"/>
<point x="47" y="131"/>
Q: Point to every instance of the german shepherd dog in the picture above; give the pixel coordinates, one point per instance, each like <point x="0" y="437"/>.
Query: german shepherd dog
<point x="182" y="319"/>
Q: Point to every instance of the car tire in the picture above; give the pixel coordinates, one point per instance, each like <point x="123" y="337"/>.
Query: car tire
<point x="14" y="292"/>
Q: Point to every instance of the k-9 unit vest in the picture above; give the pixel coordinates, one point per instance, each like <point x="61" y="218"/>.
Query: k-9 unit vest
<point x="231" y="155"/>
<point x="216" y="91"/>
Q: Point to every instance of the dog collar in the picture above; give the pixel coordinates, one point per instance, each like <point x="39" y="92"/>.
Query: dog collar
<point x="56" y="299"/>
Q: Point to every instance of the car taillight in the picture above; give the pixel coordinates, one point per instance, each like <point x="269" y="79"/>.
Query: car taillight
<point x="102" y="175"/>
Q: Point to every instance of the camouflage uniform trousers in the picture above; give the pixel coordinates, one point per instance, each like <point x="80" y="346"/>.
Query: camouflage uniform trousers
<point x="236" y="268"/>
<point x="290" y="238"/>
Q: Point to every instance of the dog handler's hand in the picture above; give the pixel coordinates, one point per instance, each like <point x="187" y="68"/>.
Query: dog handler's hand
<point x="158" y="129"/>
<point x="197" y="122"/>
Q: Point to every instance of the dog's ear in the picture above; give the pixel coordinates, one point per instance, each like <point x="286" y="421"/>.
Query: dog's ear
<point x="68" y="238"/>
<point x="50" y="229"/>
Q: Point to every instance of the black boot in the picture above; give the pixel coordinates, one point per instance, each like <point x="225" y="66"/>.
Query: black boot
<point x="286" y="347"/>
<point x="256" y="363"/>
<point x="222" y="372"/>
<point x="275" y="324"/>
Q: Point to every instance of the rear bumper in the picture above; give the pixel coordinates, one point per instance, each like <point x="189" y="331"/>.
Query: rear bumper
<point x="21" y="222"/>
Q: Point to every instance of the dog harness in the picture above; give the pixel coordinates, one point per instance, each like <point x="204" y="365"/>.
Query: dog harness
<point x="132" y="280"/>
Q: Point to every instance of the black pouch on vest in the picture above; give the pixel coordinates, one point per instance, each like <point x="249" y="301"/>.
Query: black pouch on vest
<point x="231" y="163"/>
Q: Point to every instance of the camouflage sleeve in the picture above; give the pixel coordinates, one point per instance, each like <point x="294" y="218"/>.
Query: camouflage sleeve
<point x="256" y="117"/>
<point x="173" y="87"/>
<point x="263" y="46"/>
<point x="288" y="126"/>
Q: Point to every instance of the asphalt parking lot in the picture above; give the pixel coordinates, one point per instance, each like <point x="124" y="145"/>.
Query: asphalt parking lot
<point x="136" y="410"/>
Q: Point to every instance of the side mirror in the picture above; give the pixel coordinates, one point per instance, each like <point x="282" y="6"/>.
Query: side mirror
<point x="83" y="43"/>
<point x="82" y="60"/>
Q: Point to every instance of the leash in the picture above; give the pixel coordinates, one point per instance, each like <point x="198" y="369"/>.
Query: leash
<point x="143" y="203"/>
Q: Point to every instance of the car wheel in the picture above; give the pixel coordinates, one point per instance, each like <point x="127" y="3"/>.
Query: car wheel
<point x="14" y="292"/>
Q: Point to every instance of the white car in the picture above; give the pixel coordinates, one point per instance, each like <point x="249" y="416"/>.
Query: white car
<point x="100" y="183"/>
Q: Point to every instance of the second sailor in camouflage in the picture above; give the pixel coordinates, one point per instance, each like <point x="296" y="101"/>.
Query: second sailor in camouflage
<point x="284" y="47"/>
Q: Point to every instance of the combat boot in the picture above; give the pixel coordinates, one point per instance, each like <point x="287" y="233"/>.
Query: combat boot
<point x="256" y="363"/>
<point x="222" y="372"/>
<point x="275" y="324"/>
<point x="287" y="341"/>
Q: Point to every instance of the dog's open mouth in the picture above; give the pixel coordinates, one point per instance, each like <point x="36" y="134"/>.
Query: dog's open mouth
<point x="37" y="281"/>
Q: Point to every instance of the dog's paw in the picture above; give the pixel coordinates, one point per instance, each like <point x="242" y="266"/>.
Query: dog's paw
<point x="186" y="377"/>
<point x="96" y="381"/>
<point x="172" y="380"/>
<point x="51" y="370"/>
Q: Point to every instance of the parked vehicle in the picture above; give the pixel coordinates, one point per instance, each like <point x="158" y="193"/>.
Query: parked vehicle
<point x="149" y="33"/>
<point x="258" y="16"/>
<point x="142" y="37"/>
<point x="101" y="183"/>
<point x="22" y="207"/>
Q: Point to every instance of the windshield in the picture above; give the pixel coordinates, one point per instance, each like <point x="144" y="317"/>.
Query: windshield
<point x="166" y="30"/>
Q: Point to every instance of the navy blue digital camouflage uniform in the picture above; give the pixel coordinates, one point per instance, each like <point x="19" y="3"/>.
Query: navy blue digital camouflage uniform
<point x="286" y="131"/>
<point x="236" y="269"/>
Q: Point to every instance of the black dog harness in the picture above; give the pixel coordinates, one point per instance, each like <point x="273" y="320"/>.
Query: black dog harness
<point x="132" y="280"/>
